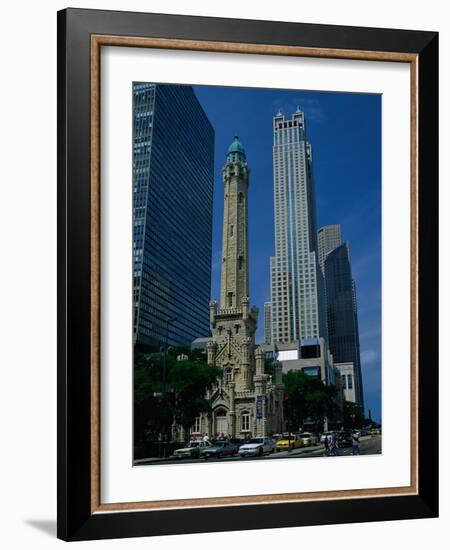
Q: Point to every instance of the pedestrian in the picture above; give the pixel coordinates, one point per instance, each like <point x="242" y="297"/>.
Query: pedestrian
<point x="355" y="443"/>
<point x="332" y="446"/>
<point x="325" y="445"/>
<point x="206" y="438"/>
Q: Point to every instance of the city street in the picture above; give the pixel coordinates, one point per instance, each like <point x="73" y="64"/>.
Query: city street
<point x="369" y="445"/>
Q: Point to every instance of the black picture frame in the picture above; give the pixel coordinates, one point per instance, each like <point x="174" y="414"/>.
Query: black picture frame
<point x="75" y="518"/>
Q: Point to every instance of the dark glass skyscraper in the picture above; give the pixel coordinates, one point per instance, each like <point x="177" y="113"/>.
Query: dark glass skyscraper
<point x="173" y="173"/>
<point x="342" y="313"/>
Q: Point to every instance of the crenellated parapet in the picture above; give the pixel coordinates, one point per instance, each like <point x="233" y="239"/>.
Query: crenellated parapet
<point x="228" y="312"/>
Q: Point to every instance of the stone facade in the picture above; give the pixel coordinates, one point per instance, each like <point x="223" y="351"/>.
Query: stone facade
<point x="247" y="401"/>
<point x="347" y="371"/>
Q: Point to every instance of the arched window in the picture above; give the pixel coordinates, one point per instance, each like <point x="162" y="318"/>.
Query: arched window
<point x="197" y="425"/>
<point x="245" y="421"/>
<point x="240" y="197"/>
<point x="221" y="422"/>
<point x="228" y="376"/>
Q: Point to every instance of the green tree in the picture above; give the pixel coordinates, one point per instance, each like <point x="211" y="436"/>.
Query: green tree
<point x="165" y="388"/>
<point x="190" y="380"/>
<point x="197" y="355"/>
<point x="152" y="411"/>
<point x="307" y="397"/>
<point x="353" y="415"/>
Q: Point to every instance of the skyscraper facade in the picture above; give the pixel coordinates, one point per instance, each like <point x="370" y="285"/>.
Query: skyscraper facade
<point x="328" y="238"/>
<point x="297" y="293"/>
<point x="267" y="322"/>
<point x="342" y="314"/>
<point x="173" y="171"/>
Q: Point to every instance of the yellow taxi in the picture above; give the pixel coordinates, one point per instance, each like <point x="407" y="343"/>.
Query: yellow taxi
<point x="288" y="441"/>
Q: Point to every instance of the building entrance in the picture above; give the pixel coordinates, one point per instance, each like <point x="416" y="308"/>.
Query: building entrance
<point x="221" y="422"/>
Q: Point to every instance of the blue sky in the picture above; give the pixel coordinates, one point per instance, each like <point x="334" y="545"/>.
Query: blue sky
<point x="345" y="132"/>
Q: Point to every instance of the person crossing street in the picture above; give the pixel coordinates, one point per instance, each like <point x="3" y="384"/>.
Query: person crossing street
<point x="355" y="443"/>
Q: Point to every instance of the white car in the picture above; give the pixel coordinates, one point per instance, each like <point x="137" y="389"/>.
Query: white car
<point x="192" y="450"/>
<point x="257" y="447"/>
<point x="308" y="438"/>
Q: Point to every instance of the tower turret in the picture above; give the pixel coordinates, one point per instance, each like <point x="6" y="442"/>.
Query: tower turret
<point x="242" y="401"/>
<point x="234" y="280"/>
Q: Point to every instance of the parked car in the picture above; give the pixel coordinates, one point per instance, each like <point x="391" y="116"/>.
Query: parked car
<point x="288" y="442"/>
<point x="308" y="439"/>
<point x="237" y="442"/>
<point x="219" y="449"/>
<point x="257" y="446"/>
<point x="192" y="450"/>
<point x="344" y="439"/>
<point x="276" y="437"/>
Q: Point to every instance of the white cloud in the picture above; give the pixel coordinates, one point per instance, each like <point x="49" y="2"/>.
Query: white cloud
<point x="369" y="356"/>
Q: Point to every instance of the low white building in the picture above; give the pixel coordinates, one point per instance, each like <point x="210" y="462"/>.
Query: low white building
<point x="347" y="372"/>
<point x="310" y="355"/>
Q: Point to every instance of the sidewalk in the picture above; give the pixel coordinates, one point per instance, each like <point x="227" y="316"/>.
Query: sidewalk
<point x="153" y="459"/>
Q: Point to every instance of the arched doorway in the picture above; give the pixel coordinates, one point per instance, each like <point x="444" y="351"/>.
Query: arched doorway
<point x="221" y="421"/>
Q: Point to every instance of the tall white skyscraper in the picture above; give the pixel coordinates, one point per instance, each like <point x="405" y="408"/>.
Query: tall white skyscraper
<point x="267" y="322"/>
<point x="297" y="293"/>
<point x="328" y="238"/>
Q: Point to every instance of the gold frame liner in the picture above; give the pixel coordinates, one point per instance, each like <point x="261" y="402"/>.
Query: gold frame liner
<point x="97" y="41"/>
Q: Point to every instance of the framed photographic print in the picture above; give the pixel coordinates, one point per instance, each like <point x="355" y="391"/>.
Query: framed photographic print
<point x="247" y="274"/>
